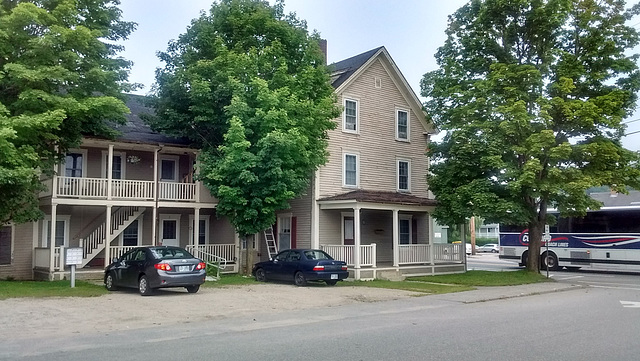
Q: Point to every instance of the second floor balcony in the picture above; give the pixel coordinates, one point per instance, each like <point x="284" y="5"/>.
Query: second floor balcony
<point x="100" y="188"/>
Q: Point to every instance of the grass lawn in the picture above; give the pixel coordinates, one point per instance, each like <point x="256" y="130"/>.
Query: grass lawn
<point x="13" y="289"/>
<point x="427" y="284"/>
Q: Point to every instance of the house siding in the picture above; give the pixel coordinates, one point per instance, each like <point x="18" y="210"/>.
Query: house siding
<point x="22" y="255"/>
<point x="376" y="142"/>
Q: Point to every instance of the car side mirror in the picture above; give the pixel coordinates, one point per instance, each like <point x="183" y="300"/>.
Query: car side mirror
<point x="114" y="260"/>
<point x="274" y="260"/>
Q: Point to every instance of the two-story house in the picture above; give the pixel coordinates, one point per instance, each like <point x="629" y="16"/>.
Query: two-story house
<point x="369" y="205"/>
<point x="109" y="196"/>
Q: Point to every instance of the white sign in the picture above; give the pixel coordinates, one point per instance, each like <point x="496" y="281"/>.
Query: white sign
<point x="73" y="256"/>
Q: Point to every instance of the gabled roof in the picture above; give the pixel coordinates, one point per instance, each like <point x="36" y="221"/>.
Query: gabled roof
<point x="342" y="70"/>
<point x="136" y="129"/>
<point x="345" y="71"/>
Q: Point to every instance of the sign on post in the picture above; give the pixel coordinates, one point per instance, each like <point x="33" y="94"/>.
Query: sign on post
<point x="73" y="256"/>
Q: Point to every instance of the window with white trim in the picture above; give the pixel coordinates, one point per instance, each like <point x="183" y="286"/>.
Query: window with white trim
<point x="75" y="163"/>
<point x="402" y="124"/>
<point x="117" y="171"/>
<point x="62" y="231"/>
<point x="203" y="229"/>
<point x="404" y="175"/>
<point x="350" y="116"/>
<point x="169" y="169"/>
<point x="350" y="170"/>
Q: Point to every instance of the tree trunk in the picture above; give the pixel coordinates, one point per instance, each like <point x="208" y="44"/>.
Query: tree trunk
<point x="250" y="250"/>
<point x="535" y="240"/>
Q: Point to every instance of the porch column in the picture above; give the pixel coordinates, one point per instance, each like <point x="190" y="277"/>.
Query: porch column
<point x="431" y="236"/>
<point x="356" y="241"/>
<point x="107" y="236"/>
<point x="396" y="239"/>
<point x="110" y="173"/>
<point x="52" y="239"/>
<point x="154" y="224"/>
<point x="196" y="227"/>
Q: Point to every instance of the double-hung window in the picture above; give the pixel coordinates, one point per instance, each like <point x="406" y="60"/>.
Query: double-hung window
<point x="402" y="125"/>
<point x="350" y="166"/>
<point x="404" y="173"/>
<point x="350" y="117"/>
<point x="74" y="164"/>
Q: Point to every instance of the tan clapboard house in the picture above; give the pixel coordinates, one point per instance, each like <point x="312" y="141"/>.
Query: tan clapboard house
<point x="369" y="205"/>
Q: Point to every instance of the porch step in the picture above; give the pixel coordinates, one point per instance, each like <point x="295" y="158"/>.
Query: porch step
<point x="390" y="275"/>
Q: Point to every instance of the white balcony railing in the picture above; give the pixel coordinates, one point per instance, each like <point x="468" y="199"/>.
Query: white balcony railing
<point x="345" y="253"/>
<point x="97" y="188"/>
<point x="413" y="253"/>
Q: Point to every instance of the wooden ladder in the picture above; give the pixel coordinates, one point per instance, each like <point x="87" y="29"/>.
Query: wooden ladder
<point x="272" y="247"/>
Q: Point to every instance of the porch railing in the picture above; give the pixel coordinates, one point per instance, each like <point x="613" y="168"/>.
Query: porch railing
<point x="118" y="251"/>
<point x="345" y="253"/>
<point x="132" y="189"/>
<point x="413" y="253"/>
<point x="448" y="252"/>
<point x="124" y="189"/>
<point x="177" y="191"/>
<point x="42" y="258"/>
<point x="226" y="251"/>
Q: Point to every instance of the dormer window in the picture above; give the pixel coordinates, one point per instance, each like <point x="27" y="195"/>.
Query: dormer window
<point x="350" y="116"/>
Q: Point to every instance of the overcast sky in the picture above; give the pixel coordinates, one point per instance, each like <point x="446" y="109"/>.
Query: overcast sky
<point x="411" y="30"/>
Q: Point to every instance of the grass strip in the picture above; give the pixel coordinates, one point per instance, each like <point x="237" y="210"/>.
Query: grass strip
<point x="38" y="289"/>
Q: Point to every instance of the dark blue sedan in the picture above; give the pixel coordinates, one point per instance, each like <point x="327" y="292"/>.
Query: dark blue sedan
<point x="300" y="266"/>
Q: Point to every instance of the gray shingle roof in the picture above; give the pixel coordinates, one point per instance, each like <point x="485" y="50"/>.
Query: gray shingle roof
<point x="137" y="131"/>
<point x="610" y="199"/>
<point x="342" y="70"/>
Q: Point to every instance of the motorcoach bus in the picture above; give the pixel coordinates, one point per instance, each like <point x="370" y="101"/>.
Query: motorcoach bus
<point x="604" y="239"/>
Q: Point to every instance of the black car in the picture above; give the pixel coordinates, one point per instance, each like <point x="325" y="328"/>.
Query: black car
<point x="300" y="266"/>
<point x="149" y="268"/>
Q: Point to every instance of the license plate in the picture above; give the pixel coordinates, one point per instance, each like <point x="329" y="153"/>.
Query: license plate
<point x="334" y="276"/>
<point x="184" y="268"/>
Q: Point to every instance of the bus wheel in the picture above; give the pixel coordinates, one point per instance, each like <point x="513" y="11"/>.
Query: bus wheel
<point x="550" y="261"/>
<point x="525" y="259"/>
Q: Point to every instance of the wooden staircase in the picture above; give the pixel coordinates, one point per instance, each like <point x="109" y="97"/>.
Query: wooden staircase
<point x="94" y="242"/>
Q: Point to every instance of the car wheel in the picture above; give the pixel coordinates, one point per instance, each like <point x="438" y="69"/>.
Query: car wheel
<point x="331" y="282"/>
<point x="193" y="288"/>
<point x="143" y="286"/>
<point x="550" y="261"/>
<point x="261" y="276"/>
<point x="108" y="282"/>
<point x="299" y="279"/>
<point x="494" y="251"/>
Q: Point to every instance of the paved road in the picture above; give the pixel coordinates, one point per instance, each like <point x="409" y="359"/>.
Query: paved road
<point x="577" y="323"/>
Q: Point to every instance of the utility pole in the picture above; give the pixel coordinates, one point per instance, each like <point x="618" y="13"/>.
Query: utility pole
<point x="472" y="229"/>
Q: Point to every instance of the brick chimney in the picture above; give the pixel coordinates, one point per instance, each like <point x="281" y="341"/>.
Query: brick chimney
<point x="323" y="48"/>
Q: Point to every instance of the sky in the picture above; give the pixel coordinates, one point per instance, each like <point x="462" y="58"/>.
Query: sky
<point x="411" y="30"/>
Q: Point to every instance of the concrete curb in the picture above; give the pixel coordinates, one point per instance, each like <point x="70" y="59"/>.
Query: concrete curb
<point x="485" y="294"/>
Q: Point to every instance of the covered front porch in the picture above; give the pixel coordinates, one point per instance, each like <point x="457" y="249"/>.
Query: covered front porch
<point x="385" y="235"/>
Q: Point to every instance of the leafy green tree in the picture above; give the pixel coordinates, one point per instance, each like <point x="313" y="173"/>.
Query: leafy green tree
<point x="59" y="79"/>
<point x="248" y="85"/>
<point x="532" y="94"/>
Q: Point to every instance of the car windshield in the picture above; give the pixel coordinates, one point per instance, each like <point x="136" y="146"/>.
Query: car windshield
<point x="171" y="253"/>
<point x="314" y="254"/>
